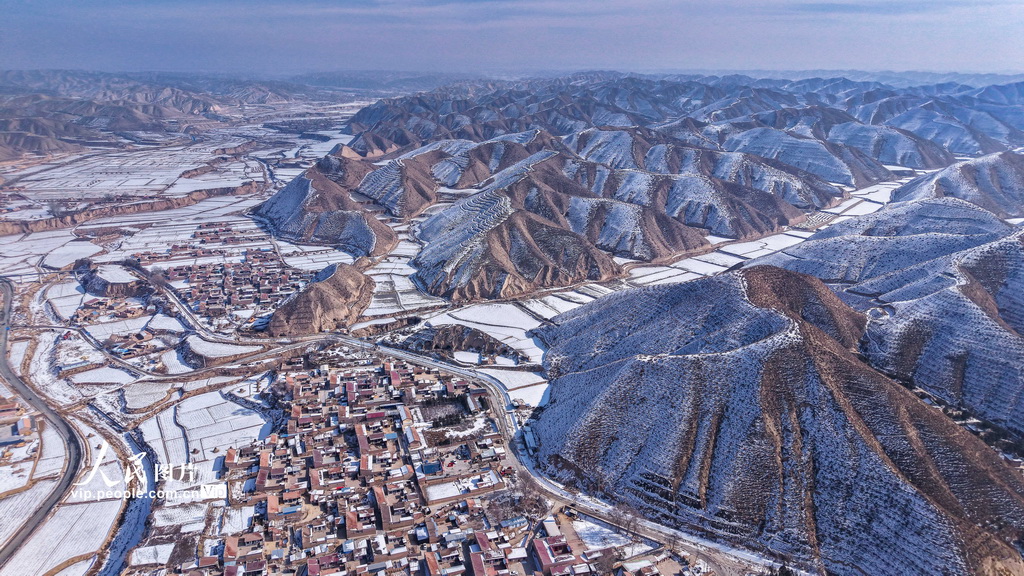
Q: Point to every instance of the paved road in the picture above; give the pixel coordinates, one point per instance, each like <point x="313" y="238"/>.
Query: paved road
<point x="72" y="443"/>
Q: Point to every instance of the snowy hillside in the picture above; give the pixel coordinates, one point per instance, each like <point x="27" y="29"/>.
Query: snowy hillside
<point x="941" y="280"/>
<point x="734" y="406"/>
<point x="994" y="182"/>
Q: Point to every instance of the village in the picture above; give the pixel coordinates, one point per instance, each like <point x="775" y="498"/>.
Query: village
<point x="245" y="289"/>
<point x="383" y="467"/>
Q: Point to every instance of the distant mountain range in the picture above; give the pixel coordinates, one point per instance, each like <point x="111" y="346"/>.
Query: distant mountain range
<point x="523" y="178"/>
<point x="45" y="112"/>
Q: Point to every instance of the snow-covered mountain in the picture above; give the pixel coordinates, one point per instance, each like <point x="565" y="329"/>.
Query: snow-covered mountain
<point x="941" y="280"/>
<point x="607" y="165"/>
<point x="532" y="210"/>
<point x="994" y="182"/>
<point x="736" y="406"/>
<point x="827" y="160"/>
<point x="318" y="207"/>
<point x="955" y="118"/>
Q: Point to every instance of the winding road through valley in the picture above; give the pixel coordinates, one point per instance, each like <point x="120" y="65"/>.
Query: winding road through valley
<point x="72" y="443"/>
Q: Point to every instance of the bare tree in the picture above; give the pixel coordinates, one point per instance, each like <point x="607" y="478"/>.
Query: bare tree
<point x="672" y="543"/>
<point x="629" y="520"/>
<point x="531" y="501"/>
<point x="158" y="277"/>
<point x="605" y="563"/>
<point x="56" y="208"/>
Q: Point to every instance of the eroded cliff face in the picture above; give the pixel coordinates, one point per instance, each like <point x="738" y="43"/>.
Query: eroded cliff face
<point x="8" y="227"/>
<point x="335" y="299"/>
<point x="736" y="405"/>
<point x="114" y="281"/>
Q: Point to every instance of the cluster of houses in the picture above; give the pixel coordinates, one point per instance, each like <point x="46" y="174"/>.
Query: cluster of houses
<point x="261" y="281"/>
<point x="94" y="310"/>
<point x="206" y="235"/>
<point x="214" y="288"/>
<point x="362" y="480"/>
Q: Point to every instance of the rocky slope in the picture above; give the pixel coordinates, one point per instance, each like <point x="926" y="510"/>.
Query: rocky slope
<point x="735" y="405"/>
<point x="318" y="207"/>
<point x="828" y="160"/>
<point x="114" y="281"/>
<point x="891" y="145"/>
<point x="531" y="210"/>
<point x="489" y="251"/>
<point x="335" y="299"/>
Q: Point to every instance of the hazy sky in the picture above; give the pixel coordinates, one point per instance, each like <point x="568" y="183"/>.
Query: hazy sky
<point x="283" y="37"/>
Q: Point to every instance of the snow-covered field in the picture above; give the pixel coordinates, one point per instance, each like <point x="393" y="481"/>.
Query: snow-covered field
<point x="104" y="375"/>
<point x="596" y="534"/>
<point x="236" y="520"/>
<point x="73" y="530"/>
<point x="42" y="373"/>
<point x="198" y="430"/>
<point x="311" y="257"/>
<point x="51" y="459"/>
<point x="67" y="254"/>
<point x="143" y="394"/>
<point x="173" y="362"/>
<point x="395" y="292"/>
<point x="880" y="193"/>
<point x="21" y="253"/>
<point x="162" y="322"/>
<point x="168" y="226"/>
<point x="135" y="172"/>
<point x="209" y="349"/>
<point x="157" y="554"/>
<point x="78" y="568"/>
<point x="15" y="505"/>
<point x="188" y="517"/>
<point x="109" y="476"/>
<point x="66" y="297"/>
<point x="17" y="354"/>
<point x="548" y="307"/>
<point x="194" y="385"/>
<point x="530" y="387"/>
<point x="212" y="422"/>
<point x="15" y="475"/>
<point x="124" y="327"/>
